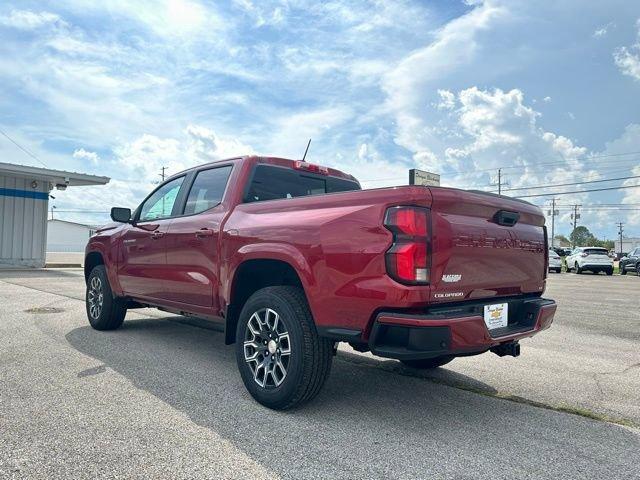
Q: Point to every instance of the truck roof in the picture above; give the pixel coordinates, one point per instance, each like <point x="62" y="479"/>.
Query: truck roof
<point x="283" y="162"/>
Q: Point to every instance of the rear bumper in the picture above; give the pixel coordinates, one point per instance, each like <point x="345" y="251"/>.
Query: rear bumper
<point x="596" y="266"/>
<point x="457" y="330"/>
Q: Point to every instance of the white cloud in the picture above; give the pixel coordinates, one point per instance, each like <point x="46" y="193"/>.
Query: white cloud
<point x="546" y="99"/>
<point x="205" y="145"/>
<point x="447" y="100"/>
<point x="603" y="30"/>
<point x="28" y="20"/>
<point x="82" y="154"/>
<point x="409" y="83"/>
<point x="627" y="59"/>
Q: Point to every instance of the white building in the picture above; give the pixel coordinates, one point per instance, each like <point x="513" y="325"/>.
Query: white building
<point x="24" y="200"/>
<point x="628" y="244"/>
<point x="64" y="236"/>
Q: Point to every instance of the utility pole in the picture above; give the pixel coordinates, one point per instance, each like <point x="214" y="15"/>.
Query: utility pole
<point x="553" y="214"/>
<point x="162" y="174"/>
<point x="499" y="184"/>
<point x="620" y="230"/>
<point x="52" y="207"/>
<point x="575" y="216"/>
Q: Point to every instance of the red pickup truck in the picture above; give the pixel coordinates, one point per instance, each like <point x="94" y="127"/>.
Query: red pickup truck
<point x="291" y="258"/>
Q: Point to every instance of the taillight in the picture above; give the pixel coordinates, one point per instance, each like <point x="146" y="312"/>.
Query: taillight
<point x="408" y="258"/>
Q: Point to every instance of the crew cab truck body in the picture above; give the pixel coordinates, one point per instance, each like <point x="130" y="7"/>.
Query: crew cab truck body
<point x="291" y="258"/>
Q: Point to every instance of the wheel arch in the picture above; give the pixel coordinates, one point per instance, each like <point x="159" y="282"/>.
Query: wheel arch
<point x="250" y="276"/>
<point x="91" y="261"/>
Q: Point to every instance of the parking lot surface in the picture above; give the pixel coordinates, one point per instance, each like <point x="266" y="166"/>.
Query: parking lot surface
<point x="161" y="398"/>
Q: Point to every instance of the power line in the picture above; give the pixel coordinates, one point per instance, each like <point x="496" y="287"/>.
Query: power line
<point x="569" y="184"/>
<point x="563" y="162"/>
<point x="577" y="191"/>
<point x="32" y="155"/>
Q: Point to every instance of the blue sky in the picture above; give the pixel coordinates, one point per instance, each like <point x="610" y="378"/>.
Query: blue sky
<point x="548" y="90"/>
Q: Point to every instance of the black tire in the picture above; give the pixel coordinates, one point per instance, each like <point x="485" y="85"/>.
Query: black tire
<point x="428" y="363"/>
<point x="622" y="270"/>
<point x="558" y="270"/>
<point x="308" y="362"/>
<point x="610" y="272"/>
<point x="112" y="310"/>
<point x="638" y="269"/>
<point x="578" y="269"/>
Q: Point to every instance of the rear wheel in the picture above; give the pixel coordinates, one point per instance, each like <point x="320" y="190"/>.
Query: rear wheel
<point x="638" y="269"/>
<point x="104" y="311"/>
<point x="428" y="363"/>
<point x="577" y="267"/>
<point x="282" y="360"/>
<point x="610" y="272"/>
<point x="558" y="270"/>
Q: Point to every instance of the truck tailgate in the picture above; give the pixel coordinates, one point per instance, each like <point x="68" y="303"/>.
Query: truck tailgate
<point x="477" y="252"/>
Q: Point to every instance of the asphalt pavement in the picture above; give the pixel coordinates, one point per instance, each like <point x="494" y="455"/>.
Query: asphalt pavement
<point x="161" y="398"/>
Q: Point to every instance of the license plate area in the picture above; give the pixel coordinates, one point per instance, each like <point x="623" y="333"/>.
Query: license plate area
<point x="496" y="316"/>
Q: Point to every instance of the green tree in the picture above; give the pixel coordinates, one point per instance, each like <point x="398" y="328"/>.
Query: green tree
<point x="561" y="239"/>
<point x="582" y="237"/>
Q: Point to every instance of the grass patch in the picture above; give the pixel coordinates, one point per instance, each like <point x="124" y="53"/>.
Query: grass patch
<point x="563" y="408"/>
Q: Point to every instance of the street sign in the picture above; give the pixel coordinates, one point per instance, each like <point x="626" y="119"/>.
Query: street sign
<point x="420" y="177"/>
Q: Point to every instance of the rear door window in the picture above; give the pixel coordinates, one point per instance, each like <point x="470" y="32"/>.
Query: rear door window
<point x="272" y="182"/>
<point x="207" y="190"/>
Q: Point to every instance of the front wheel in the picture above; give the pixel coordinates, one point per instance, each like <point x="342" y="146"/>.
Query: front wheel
<point x="104" y="311"/>
<point x="578" y="269"/>
<point x="622" y="270"/>
<point x="428" y="363"/>
<point x="282" y="360"/>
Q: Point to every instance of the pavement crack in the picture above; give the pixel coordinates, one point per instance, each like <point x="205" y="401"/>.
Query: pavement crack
<point x="92" y="371"/>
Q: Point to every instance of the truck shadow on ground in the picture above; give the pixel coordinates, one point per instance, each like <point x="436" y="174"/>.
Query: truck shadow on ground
<point x="367" y="422"/>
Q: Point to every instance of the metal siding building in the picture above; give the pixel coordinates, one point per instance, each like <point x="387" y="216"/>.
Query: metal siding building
<point x="24" y="200"/>
<point x="68" y="237"/>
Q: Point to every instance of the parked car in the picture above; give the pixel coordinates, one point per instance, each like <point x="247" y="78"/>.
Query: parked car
<point x="593" y="259"/>
<point x="291" y="258"/>
<point x="555" y="262"/>
<point x="630" y="263"/>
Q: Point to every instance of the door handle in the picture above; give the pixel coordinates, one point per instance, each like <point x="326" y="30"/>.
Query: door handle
<point x="204" y="232"/>
<point x="157" y="235"/>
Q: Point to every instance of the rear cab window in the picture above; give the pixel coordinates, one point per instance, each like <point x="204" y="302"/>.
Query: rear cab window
<point x="596" y="251"/>
<point x="270" y="182"/>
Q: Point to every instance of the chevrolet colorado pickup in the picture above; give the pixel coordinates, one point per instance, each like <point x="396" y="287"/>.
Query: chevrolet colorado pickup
<point x="291" y="258"/>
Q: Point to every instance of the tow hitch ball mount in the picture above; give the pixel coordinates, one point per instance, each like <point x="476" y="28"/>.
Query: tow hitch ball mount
<point x="511" y="348"/>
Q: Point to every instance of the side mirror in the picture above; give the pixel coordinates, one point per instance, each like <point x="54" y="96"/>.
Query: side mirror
<point x="122" y="215"/>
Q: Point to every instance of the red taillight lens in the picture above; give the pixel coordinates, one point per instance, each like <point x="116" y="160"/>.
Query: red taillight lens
<point x="408" y="258"/>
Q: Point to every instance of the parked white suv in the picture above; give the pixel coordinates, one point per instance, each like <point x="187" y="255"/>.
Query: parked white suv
<point x="594" y="259"/>
<point x="555" y="262"/>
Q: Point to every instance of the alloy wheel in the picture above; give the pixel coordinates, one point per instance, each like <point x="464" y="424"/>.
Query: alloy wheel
<point x="95" y="297"/>
<point x="267" y="348"/>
